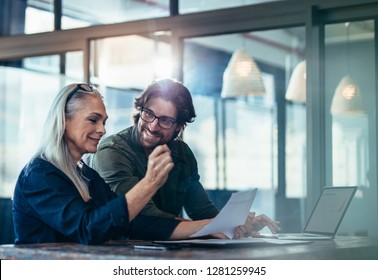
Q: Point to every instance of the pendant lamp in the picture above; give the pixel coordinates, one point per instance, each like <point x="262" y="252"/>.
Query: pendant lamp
<point x="242" y="76"/>
<point x="347" y="99"/>
<point x="296" y="90"/>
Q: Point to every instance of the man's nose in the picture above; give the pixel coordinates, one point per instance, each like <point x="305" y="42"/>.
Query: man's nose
<point x="154" y="125"/>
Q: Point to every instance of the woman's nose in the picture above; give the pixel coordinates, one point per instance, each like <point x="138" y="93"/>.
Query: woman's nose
<point x="101" y="129"/>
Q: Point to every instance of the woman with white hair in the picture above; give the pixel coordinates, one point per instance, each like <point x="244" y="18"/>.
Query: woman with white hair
<point x="58" y="198"/>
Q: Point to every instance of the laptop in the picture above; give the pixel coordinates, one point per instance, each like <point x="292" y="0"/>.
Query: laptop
<point x="326" y="216"/>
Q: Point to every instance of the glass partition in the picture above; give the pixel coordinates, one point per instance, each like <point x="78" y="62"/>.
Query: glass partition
<point x="251" y="136"/>
<point x="350" y="87"/>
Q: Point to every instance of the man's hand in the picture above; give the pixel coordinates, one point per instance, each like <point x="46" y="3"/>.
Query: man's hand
<point x="254" y="224"/>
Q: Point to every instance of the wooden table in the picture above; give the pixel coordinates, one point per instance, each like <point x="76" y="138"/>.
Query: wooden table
<point x="343" y="247"/>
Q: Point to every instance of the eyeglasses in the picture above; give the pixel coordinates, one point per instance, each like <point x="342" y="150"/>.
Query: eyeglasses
<point x="84" y="87"/>
<point x="163" y="121"/>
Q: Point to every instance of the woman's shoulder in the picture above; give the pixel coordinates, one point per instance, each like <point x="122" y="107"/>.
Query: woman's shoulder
<point x="39" y="174"/>
<point x="37" y="163"/>
<point x="39" y="167"/>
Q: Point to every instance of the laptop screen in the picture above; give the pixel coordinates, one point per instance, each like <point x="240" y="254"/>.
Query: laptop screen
<point x="329" y="210"/>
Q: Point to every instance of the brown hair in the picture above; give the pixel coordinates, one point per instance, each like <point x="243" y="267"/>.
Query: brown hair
<point x="169" y="90"/>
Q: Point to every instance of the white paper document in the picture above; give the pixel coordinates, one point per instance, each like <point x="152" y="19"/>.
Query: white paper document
<point x="220" y="242"/>
<point x="231" y="242"/>
<point x="232" y="215"/>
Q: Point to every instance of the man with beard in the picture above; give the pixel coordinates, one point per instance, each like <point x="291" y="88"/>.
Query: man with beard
<point x="162" y="112"/>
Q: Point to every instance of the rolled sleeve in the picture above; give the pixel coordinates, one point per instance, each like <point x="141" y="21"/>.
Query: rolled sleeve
<point x="118" y="211"/>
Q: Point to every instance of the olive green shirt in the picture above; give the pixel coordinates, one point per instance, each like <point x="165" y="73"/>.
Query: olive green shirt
<point x="122" y="162"/>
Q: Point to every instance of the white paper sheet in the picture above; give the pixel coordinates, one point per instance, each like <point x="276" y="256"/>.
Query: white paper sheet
<point x="226" y="242"/>
<point x="232" y="215"/>
<point x="214" y="241"/>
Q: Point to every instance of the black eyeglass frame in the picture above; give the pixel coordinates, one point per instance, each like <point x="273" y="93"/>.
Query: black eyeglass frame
<point x="84" y="87"/>
<point x="156" y="117"/>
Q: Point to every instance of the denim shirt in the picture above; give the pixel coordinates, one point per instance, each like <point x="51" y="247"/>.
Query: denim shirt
<point x="121" y="161"/>
<point x="48" y="208"/>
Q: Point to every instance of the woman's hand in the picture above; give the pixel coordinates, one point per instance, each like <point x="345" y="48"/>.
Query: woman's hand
<point x="160" y="163"/>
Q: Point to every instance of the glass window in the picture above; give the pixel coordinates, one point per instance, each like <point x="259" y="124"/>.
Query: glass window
<point x="13" y="17"/>
<point x="36" y="16"/>
<point x="39" y="16"/>
<point x="248" y="143"/>
<point x="78" y="14"/>
<point x="350" y="87"/>
<point x="123" y="67"/>
<point x="73" y="64"/>
<point x="295" y="150"/>
<point x="26" y="90"/>
<point x="189" y="6"/>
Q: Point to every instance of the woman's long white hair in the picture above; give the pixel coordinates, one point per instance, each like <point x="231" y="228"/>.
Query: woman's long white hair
<point x="53" y="146"/>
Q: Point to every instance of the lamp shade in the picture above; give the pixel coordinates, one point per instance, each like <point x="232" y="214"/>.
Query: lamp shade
<point x="347" y="99"/>
<point x="242" y="76"/>
<point x="296" y="90"/>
